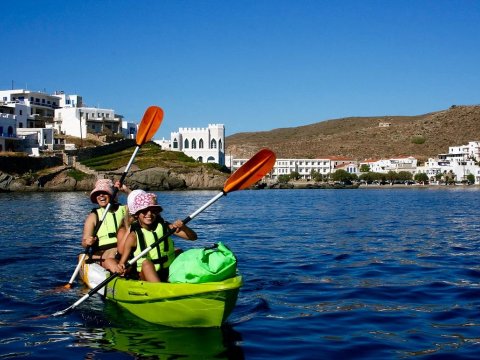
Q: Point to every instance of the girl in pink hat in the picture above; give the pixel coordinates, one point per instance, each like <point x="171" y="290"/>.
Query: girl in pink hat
<point x="149" y="227"/>
<point x="104" y="244"/>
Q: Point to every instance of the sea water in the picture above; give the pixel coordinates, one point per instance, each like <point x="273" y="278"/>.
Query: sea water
<point x="329" y="274"/>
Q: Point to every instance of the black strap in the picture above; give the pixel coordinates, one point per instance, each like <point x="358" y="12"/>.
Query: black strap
<point x="143" y="245"/>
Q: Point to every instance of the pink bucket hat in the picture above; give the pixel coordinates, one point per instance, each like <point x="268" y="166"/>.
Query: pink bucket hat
<point x="144" y="201"/>
<point x="102" y="185"/>
<point x="131" y="198"/>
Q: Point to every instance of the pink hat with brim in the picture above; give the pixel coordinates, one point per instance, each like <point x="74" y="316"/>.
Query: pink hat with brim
<point x="102" y="185"/>
<point x="131" y="198"/>
<point x="144" y="201"/>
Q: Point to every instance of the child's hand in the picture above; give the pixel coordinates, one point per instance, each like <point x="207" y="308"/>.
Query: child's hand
<point x="90" y="240"/>
<point x="177" y="225"/>
<point x="120" y="269"/>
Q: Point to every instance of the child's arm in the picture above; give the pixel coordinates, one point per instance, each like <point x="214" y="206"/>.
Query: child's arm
<point x="183" y="230"/>
<point x="130" y="244"/>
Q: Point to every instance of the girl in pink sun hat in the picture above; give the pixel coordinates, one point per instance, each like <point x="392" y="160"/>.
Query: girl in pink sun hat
<point x="149" y="227"/>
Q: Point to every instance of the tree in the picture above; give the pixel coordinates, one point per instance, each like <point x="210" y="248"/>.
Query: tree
<point x="283" y="179"/>
<point x="364" y="168"/>
<point x="295" y="175"/>
<point x="421" y="177"/>
<point x="404" y="175"/>
<point x="341" y="175"/>
<point x="471" y="178"/>
<point x="392" y="176"/>
<point x="316" y="176"/>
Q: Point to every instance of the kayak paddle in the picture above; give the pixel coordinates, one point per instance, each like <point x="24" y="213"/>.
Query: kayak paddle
<point x="148" y="126"/>
<point x="248" y="174"/>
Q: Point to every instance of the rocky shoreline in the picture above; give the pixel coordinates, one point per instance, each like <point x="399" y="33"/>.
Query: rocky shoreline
<point x="153" y="179"/>
<point x="158" y="179"/>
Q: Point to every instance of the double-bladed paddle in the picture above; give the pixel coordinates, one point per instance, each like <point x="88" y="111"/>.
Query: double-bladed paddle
<point x="148" y="126"/>
<point x="248" y="174"/>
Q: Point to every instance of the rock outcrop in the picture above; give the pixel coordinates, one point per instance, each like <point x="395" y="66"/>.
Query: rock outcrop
<point x="153" y="179"/>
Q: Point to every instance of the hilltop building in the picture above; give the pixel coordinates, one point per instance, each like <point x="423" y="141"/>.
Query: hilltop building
<point x="206" y="145"/>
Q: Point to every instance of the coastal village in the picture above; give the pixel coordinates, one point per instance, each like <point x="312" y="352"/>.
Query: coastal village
<point x="36" y="123"/>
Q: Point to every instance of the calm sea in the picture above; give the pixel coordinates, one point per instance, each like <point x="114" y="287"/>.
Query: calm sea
<point x="329" y="274"/>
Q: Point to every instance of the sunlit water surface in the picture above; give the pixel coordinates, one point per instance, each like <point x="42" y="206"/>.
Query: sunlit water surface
<point x="330" y="274"/>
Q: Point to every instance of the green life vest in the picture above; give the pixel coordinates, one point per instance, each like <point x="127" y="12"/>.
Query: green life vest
<point x="163" y="254"/>
<point x="107" y="233"/>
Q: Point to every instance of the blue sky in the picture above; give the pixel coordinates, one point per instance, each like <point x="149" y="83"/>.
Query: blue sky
<point x="251" y="65"/>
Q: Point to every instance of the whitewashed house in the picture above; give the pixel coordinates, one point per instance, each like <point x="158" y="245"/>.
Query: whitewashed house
<point x="459" y="162"/>
<point x="39" y="107"/>
<point x="406" y="163"/>
<point x="129" y="129"/>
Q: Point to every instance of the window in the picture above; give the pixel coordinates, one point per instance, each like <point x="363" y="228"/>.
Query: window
<point x="185" y="144"/>
<point x="175" y="143"/>
<point x="200" y="144"/>
<point x="194" y="144"/>
<point x="21" y="112"/>
<point x="220" y="144"/>
<point x="1" y="130"/>
<point x="213" y="144"/>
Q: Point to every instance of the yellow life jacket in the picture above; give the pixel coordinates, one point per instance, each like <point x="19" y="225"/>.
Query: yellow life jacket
<point x="163" y="254"/>
<point x="107" y="233"/>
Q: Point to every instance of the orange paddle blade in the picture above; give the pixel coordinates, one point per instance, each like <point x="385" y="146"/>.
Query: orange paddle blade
<point x="149" y="125"/>
<point x="252" y="171"/>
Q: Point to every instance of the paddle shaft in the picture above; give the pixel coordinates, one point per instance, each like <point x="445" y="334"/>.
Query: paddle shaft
<point x="99" y="223"/>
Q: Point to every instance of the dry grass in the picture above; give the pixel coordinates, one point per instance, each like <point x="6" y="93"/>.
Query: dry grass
<point x="361" y="138"/>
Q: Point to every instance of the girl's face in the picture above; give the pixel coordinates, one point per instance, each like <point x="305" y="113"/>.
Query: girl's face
<point x="147" y="216"/>
<point x="103" y="199"/>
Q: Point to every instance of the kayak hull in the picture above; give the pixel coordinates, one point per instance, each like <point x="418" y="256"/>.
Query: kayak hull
<point x="174" y="305"/>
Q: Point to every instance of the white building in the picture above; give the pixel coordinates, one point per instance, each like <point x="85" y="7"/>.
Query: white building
<point x="459" y="163"/>
<point x="77" y="121"/>
<point x="129" y="129"/>
<point x="406" y="163"/>
<point x="351" y="168"/>
<point x="206" y="145"/>
<point x="36" y="139"/>
<point x="40" y="107"/>
<point x="304" y="167"/>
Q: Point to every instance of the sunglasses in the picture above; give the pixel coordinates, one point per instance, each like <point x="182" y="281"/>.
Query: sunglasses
<point x="152" y="210"/>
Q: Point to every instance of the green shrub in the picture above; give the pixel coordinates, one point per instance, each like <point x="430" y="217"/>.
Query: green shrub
<point x="418" y="139"/>
<point x="76" y="174"/>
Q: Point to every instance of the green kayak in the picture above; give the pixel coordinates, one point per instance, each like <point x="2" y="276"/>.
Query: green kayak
<point x="175" y="305"/>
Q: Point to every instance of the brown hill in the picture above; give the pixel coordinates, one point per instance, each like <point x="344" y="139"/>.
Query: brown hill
<point x="361" y="138"/>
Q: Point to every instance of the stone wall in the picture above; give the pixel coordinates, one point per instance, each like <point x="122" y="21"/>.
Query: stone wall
<point x="23" y="164"/>
<point x="87" y="153"/>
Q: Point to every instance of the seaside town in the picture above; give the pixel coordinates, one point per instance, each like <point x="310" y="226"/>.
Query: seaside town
<point x="31" y="122"/>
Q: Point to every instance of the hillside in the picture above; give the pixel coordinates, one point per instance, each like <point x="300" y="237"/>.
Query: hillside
<point x="360" y="138"/>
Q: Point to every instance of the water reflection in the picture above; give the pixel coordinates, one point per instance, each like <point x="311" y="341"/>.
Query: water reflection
<point x="129" y="334"/>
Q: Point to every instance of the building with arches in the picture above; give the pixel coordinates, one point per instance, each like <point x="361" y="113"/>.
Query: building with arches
<point x="206" y="145"/>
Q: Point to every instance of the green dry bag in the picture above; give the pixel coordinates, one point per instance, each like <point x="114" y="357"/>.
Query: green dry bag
<point x="195" y="266"/>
